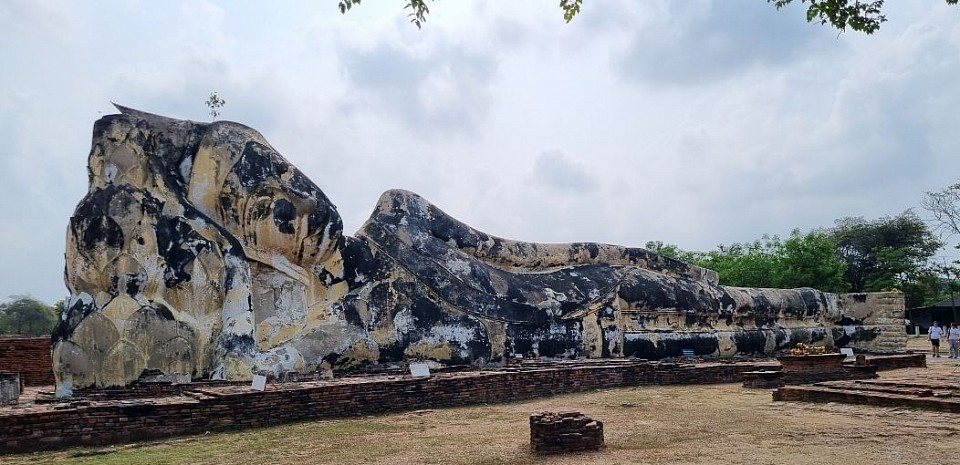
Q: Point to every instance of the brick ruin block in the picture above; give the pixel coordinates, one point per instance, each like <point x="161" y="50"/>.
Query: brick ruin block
<point x="763" y="379"/>
<point x="568" y="431"/>
<point x="28" y="356"/>
<point x="805" y="369"/>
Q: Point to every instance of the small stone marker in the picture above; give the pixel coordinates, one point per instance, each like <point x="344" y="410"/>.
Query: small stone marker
<point x="420" y="370"/>
<point x="259" y="382"/>
<point x="9" y="388"/>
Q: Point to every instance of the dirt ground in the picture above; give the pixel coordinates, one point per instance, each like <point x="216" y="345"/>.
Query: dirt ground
<point x="657" y="425"/>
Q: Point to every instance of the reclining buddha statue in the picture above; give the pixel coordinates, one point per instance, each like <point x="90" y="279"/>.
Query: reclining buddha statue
<point x="200" y="250"/>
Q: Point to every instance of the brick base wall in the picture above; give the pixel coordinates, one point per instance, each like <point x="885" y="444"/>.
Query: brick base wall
<point x="214" y="408"/>
<point x="893" y="362"/>
<point x="28" y="356"/>
<point x="812" y="394"/>
<point x="99" y="423"/>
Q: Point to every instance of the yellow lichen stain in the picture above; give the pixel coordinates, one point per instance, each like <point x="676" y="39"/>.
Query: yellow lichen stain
<point x="363" y="351"/>
<point x="430" y="351"/>
<point x="121" y="364"/>
<point x="318" y="313"/>
<point x="210" y="167"/>
<point x="128" y="161"/>
<point x="120" y="309"/>
<point x="97" y="334"/>
<point x="385" y="334"/>
<point x="102" y="298"/>
<point x="271" y="333"/>
<point x="237" y="369"/>
<point x="590" y="308"/>
<point x="329" y="293"/>
<point x="203" y="295"/>
<point x="174" y="356"/>
<point x="210" y="233"/>
<point x="334" y="264"/>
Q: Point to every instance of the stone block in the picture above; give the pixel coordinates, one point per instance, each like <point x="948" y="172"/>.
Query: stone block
<point x="9" y="388"/>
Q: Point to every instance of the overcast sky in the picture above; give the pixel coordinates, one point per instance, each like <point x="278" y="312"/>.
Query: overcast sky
<point x="692" y="122"/>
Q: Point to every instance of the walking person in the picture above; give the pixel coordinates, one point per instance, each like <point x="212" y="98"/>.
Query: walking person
<point x="934" y="333"/>
<point x="953" y="336"/>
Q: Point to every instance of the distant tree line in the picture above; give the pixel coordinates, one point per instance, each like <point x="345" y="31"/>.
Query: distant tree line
<point x="23" y="315"/>
<point x="856" y="255"/>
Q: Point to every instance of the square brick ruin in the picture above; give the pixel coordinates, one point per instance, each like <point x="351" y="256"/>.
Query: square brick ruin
<point x="567" y="431"/>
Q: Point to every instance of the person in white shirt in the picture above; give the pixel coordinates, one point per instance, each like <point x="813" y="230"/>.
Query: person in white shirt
<point x="934" y="333"/>
<point x="953" y="336"/>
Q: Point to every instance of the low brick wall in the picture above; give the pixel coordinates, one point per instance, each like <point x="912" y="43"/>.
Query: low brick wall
<point x="99" y="423"/>
<point x="204" y="408"/>
<point x="893" y="362"/>
<point x="28" y="356"/>
<point x="880" y="399"/>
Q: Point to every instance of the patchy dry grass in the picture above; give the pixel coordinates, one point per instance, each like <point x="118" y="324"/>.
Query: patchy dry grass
<point x="662" y="425"/>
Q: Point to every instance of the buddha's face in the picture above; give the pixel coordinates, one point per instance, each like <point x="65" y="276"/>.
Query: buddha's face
<point x="263" y="200"/>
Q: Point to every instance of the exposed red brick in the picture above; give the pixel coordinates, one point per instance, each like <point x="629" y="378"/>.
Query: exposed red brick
<point x="28" y="356"/>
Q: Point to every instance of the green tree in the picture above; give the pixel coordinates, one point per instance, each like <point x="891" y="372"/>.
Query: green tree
<point x="752" y="264"/>
<point x="26" y="316"/>
<point x="810" y="260"/>
<point x="858" y="15"/>
<point x="662" y="248"/>
<point x="890" y="252"/>
<point x="927" y="288"/>
<point x="856" y="255"/>
<point x="802" y="260"/>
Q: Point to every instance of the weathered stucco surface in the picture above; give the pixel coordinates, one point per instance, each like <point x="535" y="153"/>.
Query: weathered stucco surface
<point x="199" y="249"/>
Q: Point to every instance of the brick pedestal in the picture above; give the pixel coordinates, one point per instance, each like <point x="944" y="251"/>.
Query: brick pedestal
<point x="552" y="433"/>
<point x="763" y="379"/>
<point x="805" y="363"/>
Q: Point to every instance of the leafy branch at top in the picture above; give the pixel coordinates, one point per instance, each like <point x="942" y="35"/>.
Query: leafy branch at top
<point x="418" y="10"/>
<point x="862" y="16"/>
